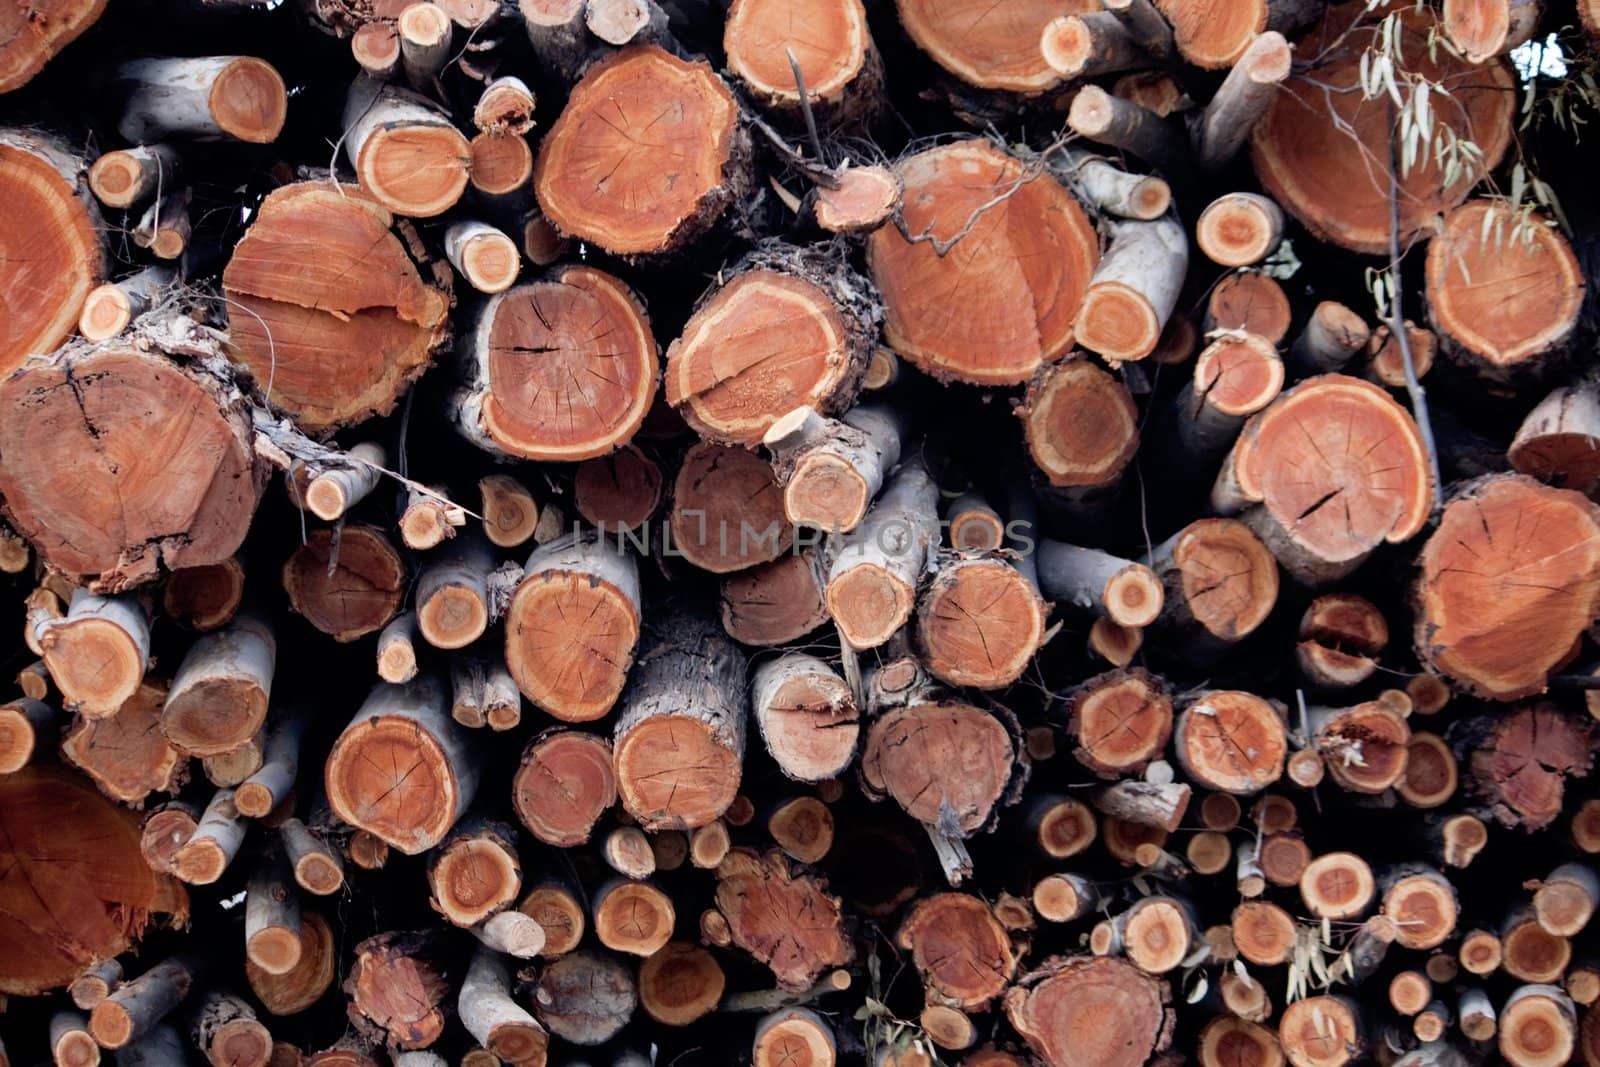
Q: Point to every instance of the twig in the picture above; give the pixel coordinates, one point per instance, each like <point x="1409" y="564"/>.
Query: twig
<point x="805" y="103"/>
<point x="1397" y="328"/>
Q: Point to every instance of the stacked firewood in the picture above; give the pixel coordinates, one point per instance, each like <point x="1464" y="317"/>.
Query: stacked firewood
<point x="797" y="532"/>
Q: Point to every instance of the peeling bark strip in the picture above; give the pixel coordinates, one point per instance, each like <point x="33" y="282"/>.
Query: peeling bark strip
<point x="319" y="272"/>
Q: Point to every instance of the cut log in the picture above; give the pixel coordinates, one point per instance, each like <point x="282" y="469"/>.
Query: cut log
<point x="215" y="843"/>
<point x="1431" y="776"/>
<point x="329" y="490"/>
<point x="1559" y="442"/>
<point x="627" y="851"/>
<point x="832" y="469"/>
<point x="1323" y="516"/>
<point x="840" y="68"/>
<point x="348" y="586"/>
<point x="1133" y="290"/>
<point x="316" y="867"/>
<point x="98" y="652"/>
<point x="425" y="32"/>
<point x="1107" y="188"/>
<point x="495" y="1021"/>
<point x="58" y="257"/>
<point x="680" y="736"/>
<point x="585" y="997"/>
<point x="1120" y="721"/>
<point x="633" y="917"/>
<point x="979" y="622"/>
<point x="1538" y="1027"/>
<point x="1239" y="229"/>
<point x="784" y="920"/>
<point x="563" y="785"/>
<point x="1363" y="747"/>
<point x="867" y="197"/>
<point x="1145" y="803"/>
<point x="560" y="369"/>
<point x="1236" y="376"/>
<point x="1529" y="952"/>
<point x="1110" y="120"/>
<point x="376" y="49"/>
<point x="787" y="327"/>
<point x="144" y="465"/>
<point x="914" y="747"/>
<point x="803" y="827"/>
<point x="1228" y="1039"/>
<point x="233" y="767"/>
<point x="1059" y="826"/>
<point x="127" y="754"/>
<point x="1567" y="899"/>
<point x="1457" y="839"/>
<point x="70" y="1042"/>
<point x="292" y="993"/>
<point x="1249" y="301"/>
<point x="165" y="830"/>
<point x="512" y="933"/>
<point x="164" y="229"/>
<point x="1127" y="593"/>
<point x="1220" y="584"/>
<point x="1283" y="858"/>
<point x="873" y="579"/>
<point x="397" y="651"/>
<point x="204" y="597"/>
<point x="510" y="512"/>
<point x="1483" y="554"/>
<point x="27" y="727"/>
<point x="960" y="949"/>
<point x="573" y="624"/>
<point x="1341" y="635"/>
<point x="559" y="913"/>
<point x="1422" y="904"/>
<point x="1240" y="101"/>
<point x="430" y="519"/>
<point x="206" y="98"/>
<point x="272" y="924"/>
<point x="1154" y="935"/>
<point x="319" y="271"/>
<point x="474" y="872"/>
<point x="218" y="699"/>
<point x="794" y="1036"/>
<point x="619" y="491"/>
<point x="1337" y="885"/>
<point x="975" y="292"/>
<point x="1263" y="933"/>
<point x="1504" y="291"/>
<point x="807" y="716"/>
<point x="1321" y="1031"/>
<point x="127" y="177"/>
<point x="589" y="166"/>
<point x="405" y="150"/>
<point x="680" y="984"/>
<point x="1311" y="162"/>
<point x="1331" y="338"/>
<point x="727" y="510"/>
<point x="1483" y="29"/>
<point x="1386" y="362"/>
<point x="1091" y="1010"/>
<point x="973" y="526"/>
<point x="1089" y="45"/>
<point x="1231" y="741"/>
<point x="397" y="988"/>
<point x="109" y="308"/>
<point x="775" y="603"/>
<point x="1481" y="952"/>
<point x="1081" y="425"/>
<point x="1213" y="38"/>
<point x="453" y="597"/>
<point x="95" y="984"/>
<point x="402" y="747"/>
<point x="137" y="1007"/>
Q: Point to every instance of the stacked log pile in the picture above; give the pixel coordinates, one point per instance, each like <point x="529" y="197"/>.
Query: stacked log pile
<point x="798" y="532"/>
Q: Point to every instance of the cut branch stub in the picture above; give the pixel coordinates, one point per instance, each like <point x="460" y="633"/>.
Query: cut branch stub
<point x="680" y="736"/>
<point x="1338" y="468"/>
<point x="1081" y="424"/>
<point x="572" y="626"/>
<point x="962" y="952"/>
<point x="53" y="251"/>
<point x="328" y="312"/>
<point x="563" y="785"/>
<point x="789" y="327"/>
<point x="402" y="770"/>
<point x="82" y="893"/>
<point x="1018" y="253"/>
<point x="1510" y="580"/>
<point x="1504" y="290"/>
<point x="597" y="181"/>
<point x="561" y="369"/>
<point x="116" y="463"/>
<point x="1314" y="150"/>
<point x="1087" y="1011"/>
<point x="1231" y="741"/>
<point x="1000" y="53"/>
<point x="1121" y="721"/>
<point x="787" y="921"/>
